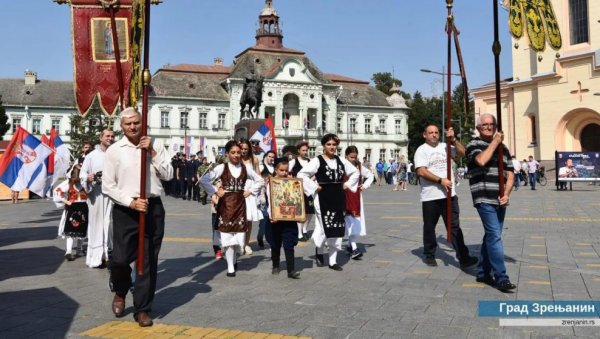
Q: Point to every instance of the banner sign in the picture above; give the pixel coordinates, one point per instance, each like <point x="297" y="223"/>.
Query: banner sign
<point x="539" y="309"/>
<point x="94" y="55"/>
<point x="577" y="166"/>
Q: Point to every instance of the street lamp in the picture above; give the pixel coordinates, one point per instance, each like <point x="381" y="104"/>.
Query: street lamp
<point x="443" y="74"/>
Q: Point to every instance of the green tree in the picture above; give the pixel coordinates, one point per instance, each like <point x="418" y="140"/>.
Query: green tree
<point x="423" y="111"/>
<point x="384" y="81"/>
<point x="87" y="129"/>
<point x="4" y="125"/>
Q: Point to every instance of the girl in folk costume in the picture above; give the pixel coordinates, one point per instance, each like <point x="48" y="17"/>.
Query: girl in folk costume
<point x="295" y="166"/>
<point x="73" y="223"/>
<point x="329" y="197"/>
<point x="237" y="183"/>
<point x="266" y="171"/>
<point x="282" y="232"/>
<point x="355" y="211"/>
<point x="252" y="211"/>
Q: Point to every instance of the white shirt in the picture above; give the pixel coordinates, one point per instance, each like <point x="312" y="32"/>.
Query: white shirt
<point x="532" y="166"/>
<point x="517" y="165"/>
<point x="92" y="164"/>
<point x="121" y="173"/>
<point x="303" y="162"/>
<point x="253" y="184"/>
<point x="310" y="186"/>
<point x="435" y="160"/>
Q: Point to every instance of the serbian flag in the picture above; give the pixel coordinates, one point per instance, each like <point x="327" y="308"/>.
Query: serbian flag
<point x="62" y="157"/>
<point x="20" y="164"/>
<point x="102" y="54"/>
<point x="266" y="136"/>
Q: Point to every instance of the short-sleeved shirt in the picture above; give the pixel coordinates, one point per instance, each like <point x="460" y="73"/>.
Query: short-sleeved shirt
<point x="435" y="160"/>
<point x="484" y="183"/>
<point x="532" y="166"/>
<point x="379" y="167"/>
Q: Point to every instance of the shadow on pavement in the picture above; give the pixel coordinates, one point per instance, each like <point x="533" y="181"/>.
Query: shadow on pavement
<point x="25" y="262"/>
<point x="10" y="236"/>
<point x="41" y="313"/>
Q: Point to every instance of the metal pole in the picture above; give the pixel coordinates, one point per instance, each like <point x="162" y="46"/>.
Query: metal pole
<point x="496" y="48"/>
<point x="449" y="25"/>
<point x="443" y="99"/>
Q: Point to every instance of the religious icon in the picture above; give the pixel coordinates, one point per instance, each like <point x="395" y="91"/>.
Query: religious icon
<point x="287" y="199"/>
<point x="103" y="40"/>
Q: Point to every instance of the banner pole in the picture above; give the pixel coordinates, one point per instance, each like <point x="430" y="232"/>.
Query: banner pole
<point x="496" y="48"/>
<point x="449" y="25"/>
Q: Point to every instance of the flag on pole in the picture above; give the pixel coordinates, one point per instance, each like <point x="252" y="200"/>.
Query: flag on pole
<point x="266" y="136"/>
<point x="20" y="164"/>
<point x="62" y="157"/>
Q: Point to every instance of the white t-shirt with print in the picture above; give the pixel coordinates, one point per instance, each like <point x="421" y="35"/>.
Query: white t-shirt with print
<point x="435" y="160"/>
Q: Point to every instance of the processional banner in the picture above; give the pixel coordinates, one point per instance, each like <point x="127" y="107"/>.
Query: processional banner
<point x="95" y="56"/>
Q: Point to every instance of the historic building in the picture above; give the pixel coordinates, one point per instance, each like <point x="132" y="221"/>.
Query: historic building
<point x="552" y="100"/>
<point x="203" y="101"/>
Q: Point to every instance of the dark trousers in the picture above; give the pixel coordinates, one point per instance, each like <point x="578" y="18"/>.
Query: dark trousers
<point x="282" y="233"/>
<point x="432" y="210"/>
<point x="125" y="248"/>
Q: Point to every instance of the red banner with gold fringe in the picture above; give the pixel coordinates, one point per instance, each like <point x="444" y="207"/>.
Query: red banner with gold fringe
<point x="98" y="26"/>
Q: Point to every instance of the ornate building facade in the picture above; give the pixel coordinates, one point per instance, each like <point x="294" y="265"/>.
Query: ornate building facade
<point x="551" y="102"/>
<point x="203" y="101"/>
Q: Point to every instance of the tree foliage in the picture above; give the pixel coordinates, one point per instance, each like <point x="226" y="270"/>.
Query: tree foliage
<point x="4" y="125"/>
<point x="87" y="129"/>
<point x="384" y="81"/>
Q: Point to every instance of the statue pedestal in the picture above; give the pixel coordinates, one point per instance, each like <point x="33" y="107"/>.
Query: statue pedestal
<point x="246" y="128"/>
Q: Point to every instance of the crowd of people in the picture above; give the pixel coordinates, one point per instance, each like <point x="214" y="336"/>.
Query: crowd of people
<point x="103" y="194"/>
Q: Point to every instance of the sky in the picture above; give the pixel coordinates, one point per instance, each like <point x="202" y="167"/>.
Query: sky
<point x="354" y="38"/>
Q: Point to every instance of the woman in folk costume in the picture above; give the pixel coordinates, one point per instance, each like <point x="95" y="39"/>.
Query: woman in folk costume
<point x="329" y="197"/>
<point x="295" y="166"/>
<point x="237" y="183"/>
<point x="266" y="171"/>
<point x="355" y="211"/>
<point x="73" y="223"/>
<point x="282" y="233"/>
<point x="252" y="211"/>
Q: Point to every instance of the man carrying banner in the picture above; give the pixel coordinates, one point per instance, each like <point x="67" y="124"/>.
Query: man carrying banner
<point x="99" y="205"/>
<point x="121" y="182"/>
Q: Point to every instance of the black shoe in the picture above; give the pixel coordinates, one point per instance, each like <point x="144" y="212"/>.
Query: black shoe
<point x="231" y="275"/>
<point x="506" y="286"/>
<point x="349" y="249"/>
<point x="261" y="245"/>
<point x="319" y="259"/>
<point x="183" y="198"/>
<point x="305" y="237"/>
<point x="486" y="280"/>
<point x="235" y="267"/>
<point x="69" y="257"/>
<point x="275" y="270"/>
<point x="294" y="275"/>
<point x="356" y="254"/>
<point x="336" y="267"/>
<point x="468" y="262"/>
<point x="430" y="261"/>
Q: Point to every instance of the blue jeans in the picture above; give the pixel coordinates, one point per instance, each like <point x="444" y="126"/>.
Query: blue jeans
<point x="517" y="180"/>
<point x="532" y="180"/>
<point x="492" y="249"/>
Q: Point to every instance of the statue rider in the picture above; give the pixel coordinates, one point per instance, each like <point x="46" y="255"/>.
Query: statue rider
<point x="252" y="94"/>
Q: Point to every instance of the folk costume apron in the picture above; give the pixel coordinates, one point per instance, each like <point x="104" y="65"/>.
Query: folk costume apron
<point x="231" y="209"/>
<point x="76" y="220"/>
<point x="309" y="204"/>
<point x="353" y="198"/>
<point x="332" y="199"/>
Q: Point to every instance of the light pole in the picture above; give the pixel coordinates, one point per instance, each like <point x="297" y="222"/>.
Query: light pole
<point x="443" y="74"/>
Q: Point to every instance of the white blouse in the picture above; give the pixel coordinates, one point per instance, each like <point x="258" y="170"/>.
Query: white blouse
<point x="310" y="169"/>
<point x="253" y="185"/>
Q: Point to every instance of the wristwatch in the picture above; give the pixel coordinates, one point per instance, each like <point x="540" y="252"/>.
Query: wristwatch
<point x="439" y="181"/>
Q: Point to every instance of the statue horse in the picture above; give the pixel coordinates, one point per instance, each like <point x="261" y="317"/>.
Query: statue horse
<point x="252" y="97"/>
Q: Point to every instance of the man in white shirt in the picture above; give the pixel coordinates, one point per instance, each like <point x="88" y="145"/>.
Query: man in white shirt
<point x="532" y="166"/>
<point x="517" y="165"/>
<point x="121" y="182"/>
<point x="99" y="205"/>
<point x="431" y="165"/>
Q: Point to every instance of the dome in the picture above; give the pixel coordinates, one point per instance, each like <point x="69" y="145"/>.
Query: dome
<point x="268" y="10"/>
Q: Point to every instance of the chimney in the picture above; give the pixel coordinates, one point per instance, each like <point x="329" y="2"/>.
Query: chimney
<point x="30" y="77"/>
<point x="218" y="61"/>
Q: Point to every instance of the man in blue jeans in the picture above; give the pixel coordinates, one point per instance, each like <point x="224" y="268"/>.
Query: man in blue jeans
<point x="482" y="157"/>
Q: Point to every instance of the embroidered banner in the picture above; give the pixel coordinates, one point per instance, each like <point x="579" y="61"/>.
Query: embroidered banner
<point x="94" y="54"/>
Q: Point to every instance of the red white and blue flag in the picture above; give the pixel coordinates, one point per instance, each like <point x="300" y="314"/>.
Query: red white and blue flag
<point x="62" y="157"/>
<point x="20" y="164"/>
<point x="266" y="136"/>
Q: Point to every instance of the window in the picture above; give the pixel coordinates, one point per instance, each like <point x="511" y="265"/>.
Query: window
<point x="382" y="125"/>
<point x="203" y="118"/>
<point x="533" y="130"/>
<point x="37" y="126"/>
<point x="164" y="119"/>
<point x="312" y="118"/>
<point x="382" y="154"/>
<point x="221" y="121"/>
<point x="183" y="120"/>
<point x="353" y="125"/>
<point x="16" y="122"/>
<point x="396" y="154"/>
<point x="368" y="126"/>
<point x="312" y="152"/>
<point x="56" y="125"/>
<point x="578" y="21"/>
<point x="398" y="126"/>
<point x="368" y="154"/>
<point x="324" y="121"/>
<point x="339" y="124"/>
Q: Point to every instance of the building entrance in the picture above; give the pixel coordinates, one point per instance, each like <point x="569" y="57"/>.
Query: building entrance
<point x="590" y="142"/>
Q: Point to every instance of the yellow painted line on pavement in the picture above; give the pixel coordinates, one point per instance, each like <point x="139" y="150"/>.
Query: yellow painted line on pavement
<point x="130" y="329"/>
<point x="537" y="245"/>
<point x="588" y="254"/>
<point x="423" y="272"/>
<point x="597" y="279"/>
<point x="184" y="214"/>
<point x="538" y="282"/>
<point x="401" y="218"/>
<point x="398" y="251"/>
<point x="188" y="240"/>
<point x="476" y="285"/>
<point x="537" y="237"/>
<point x="593" y="265"/>
<point x="583" y="244"/>
<point x="538" y="255"/>
<point x="540" y="267"/>
<point x="382" y="261"/>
